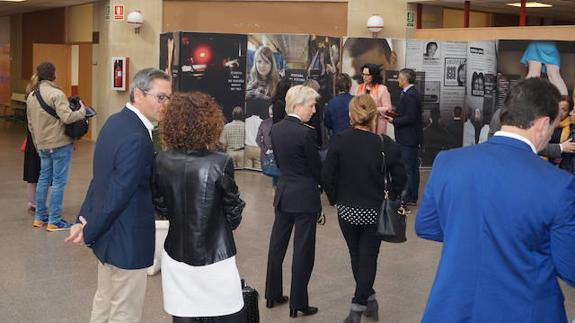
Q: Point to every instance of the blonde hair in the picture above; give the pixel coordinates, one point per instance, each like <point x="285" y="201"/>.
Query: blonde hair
<point x="362" y="110"/>
<point x="32" y="85"/>
<point x="298" y="95"/>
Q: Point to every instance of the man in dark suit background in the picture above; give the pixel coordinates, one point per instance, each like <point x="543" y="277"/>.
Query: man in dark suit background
<point x="297" y="200"/>
<point x="117" y="217"/>
<point x="409" y="132"/>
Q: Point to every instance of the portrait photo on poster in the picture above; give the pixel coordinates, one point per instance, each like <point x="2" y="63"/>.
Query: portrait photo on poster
<point x="270" y="57"/>
<point x="455" y="72"/>
<point x="478" y="84"/>
<point x="431" y="53"/>
<point x="386" y="53"/>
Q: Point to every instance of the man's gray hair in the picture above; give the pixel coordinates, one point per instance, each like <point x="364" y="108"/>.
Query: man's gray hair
<point x="144" y="78"/>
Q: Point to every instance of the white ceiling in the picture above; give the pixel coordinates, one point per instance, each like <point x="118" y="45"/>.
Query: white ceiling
<point x="562" y="9"/>
<point x="10" y="8"/>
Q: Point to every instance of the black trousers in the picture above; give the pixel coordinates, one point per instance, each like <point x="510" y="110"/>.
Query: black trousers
<point x="303" y="256"/>
<point x="410" y="157"/>
<point x="363" y="248"/>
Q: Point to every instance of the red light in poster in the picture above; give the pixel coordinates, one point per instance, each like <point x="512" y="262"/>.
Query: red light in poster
<point x="202" y="54"/>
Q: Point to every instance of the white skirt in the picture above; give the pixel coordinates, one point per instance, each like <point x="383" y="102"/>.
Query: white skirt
<point x="201" y="291"/>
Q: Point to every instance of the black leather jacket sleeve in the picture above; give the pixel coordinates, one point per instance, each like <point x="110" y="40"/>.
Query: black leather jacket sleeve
<point x="232" y="203"/>
<point x="158" y="199"/>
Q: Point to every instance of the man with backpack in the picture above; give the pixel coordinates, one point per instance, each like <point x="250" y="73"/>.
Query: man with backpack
<point x="53" y="145"/>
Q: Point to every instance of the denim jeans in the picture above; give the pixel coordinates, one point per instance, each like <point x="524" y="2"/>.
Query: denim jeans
<point x="54" y="165"/>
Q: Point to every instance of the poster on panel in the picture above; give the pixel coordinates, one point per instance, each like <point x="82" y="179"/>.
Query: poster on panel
<point x="387" y="53"/>
<point x="214" y="64"/>
<point x="323" y="63"/>
<point x="269" y="58"/>
<point x="518" y="59"/>
<point x="443" y="65"/>
<point x="481" y="91"/>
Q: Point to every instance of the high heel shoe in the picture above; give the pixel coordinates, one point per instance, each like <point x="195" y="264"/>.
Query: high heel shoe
<point x="310" y="310"/>
<point x="273" y="302"/>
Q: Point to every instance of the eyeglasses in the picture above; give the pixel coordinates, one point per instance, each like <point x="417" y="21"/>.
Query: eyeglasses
<point x="162" y="98"/>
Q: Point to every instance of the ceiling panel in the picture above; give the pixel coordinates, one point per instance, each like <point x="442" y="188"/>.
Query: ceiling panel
<point x="562" y="9"/>
<point x="10" y="8"/>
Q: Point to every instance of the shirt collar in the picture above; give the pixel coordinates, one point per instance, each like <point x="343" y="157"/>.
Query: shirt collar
<point x="408" y="87"/>
<point x="518" y="137"/>
<point x="143" y="118"/>
<point x="295" y="116"/>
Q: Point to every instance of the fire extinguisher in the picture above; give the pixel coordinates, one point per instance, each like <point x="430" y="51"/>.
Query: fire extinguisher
<point x="117" y="74"/>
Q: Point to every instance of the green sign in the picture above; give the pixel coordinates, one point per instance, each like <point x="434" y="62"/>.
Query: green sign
<point x="410" y="18"/>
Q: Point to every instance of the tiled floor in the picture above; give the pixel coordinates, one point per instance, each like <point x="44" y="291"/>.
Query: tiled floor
<point x="44" y="280"/>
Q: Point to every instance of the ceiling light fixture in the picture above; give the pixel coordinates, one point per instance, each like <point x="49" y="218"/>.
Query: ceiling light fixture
<point x="12" y="0"/>
<point x="531" y="5"/>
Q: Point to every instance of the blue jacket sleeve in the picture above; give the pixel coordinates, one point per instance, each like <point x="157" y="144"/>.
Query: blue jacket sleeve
<point x="562" y="232"/>
<point x="124" y="180"/>
<point x="427" y="223"/>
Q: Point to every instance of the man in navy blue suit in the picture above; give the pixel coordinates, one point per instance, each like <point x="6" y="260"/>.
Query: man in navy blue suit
<point x="506" y="219"/>
<point x="409" y="132"/>
<point x="117" y="218"/>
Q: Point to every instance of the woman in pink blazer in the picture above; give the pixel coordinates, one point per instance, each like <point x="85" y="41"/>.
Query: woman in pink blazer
<point x="372" y="85"/>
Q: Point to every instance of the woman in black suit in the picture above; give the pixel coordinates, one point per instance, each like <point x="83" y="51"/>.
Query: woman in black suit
<point x="353" y="179"/>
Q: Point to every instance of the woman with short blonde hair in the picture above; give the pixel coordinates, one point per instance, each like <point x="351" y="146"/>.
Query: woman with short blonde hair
<point x="354" y="181"/>
<point x="299" y="95"/>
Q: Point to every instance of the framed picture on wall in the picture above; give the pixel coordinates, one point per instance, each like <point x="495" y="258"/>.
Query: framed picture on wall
<point x="119" y="73"/>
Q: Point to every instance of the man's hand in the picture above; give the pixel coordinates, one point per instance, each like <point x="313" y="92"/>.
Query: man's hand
<point x="568" y="146"/>
<point x="77" y="232"/>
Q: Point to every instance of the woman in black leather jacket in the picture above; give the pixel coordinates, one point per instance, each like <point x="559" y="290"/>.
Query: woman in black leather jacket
<point x="194" y="188"/>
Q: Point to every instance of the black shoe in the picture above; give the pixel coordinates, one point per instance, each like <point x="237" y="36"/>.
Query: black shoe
<point x="273" y="302"/>
<point x="372" y="310"/>
<point x="310" y="310"/>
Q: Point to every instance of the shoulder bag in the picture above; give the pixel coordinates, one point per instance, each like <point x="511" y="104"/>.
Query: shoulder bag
<point x="391" y="220"/>
<point x="74" y="130"/>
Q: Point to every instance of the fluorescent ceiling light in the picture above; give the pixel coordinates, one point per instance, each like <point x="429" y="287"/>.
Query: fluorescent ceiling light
<point x="531" y="5"/>
<point x="12" y="0"/>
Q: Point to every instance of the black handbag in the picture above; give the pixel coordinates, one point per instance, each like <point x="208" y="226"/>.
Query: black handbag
<point x="251" y="310"/>
<point x="391" y="220"/>
<point x="74" y="130"/>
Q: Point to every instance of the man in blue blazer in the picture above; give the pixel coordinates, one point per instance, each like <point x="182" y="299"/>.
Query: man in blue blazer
<point x="117" y="217"/>
<point x="409" y="132"/>
<point x="506" y="219"/>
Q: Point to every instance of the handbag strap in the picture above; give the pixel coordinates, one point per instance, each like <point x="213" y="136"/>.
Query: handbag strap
<point x="44" y="105"/>
<point x="384" y="168"/>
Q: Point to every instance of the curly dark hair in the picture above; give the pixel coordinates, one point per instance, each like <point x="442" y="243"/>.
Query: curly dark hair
<point x="192" y="121"/>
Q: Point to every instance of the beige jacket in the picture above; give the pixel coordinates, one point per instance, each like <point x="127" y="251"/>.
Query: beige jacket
<point x="47" y="131"/>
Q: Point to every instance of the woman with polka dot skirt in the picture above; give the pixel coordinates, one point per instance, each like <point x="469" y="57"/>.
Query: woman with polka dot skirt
<point x="353" y="180"/>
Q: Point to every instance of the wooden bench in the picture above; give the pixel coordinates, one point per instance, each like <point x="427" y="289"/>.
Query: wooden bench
<point x="18" y="107"/>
